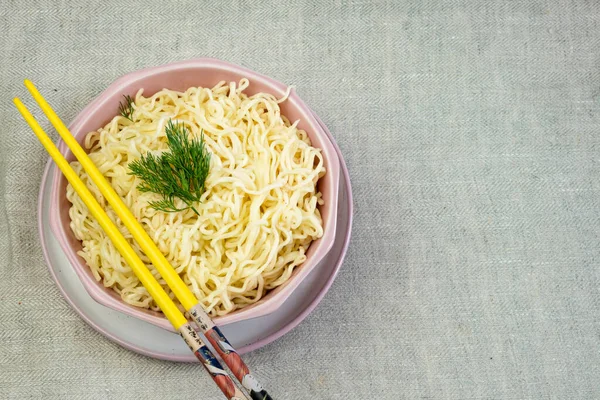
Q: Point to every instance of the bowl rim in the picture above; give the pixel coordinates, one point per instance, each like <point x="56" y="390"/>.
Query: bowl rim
<point x="269" y="303"/>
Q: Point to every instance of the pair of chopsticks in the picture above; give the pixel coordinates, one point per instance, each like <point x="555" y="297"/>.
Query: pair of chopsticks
<point x="185" y="296"/>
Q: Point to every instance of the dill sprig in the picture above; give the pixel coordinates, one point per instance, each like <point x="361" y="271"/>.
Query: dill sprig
<point x="126" y="109"/>
<point x="178" y="173"/>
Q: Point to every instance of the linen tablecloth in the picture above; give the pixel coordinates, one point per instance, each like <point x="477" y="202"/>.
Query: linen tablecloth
<point x="472" y="133"/>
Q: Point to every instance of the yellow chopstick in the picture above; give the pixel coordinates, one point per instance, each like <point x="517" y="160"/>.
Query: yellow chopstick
<point x="183" y="293"/>
<point x="139" y="268"/>
<point x="164" y="302"/>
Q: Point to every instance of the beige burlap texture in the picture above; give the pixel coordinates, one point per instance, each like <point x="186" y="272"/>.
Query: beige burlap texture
<point x="472" y="133"/>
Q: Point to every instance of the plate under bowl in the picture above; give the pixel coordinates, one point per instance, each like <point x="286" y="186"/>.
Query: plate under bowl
<point x="245" y="336"/>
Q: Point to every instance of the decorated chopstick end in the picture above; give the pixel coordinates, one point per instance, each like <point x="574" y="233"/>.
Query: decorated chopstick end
<point x="210" y="363"/>
<point x="236" y="364"/>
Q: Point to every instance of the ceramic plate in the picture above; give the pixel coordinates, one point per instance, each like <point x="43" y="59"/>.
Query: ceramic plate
<point x="155" y="342"/>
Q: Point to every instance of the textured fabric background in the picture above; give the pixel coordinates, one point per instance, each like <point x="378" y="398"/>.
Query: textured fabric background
<point x="471" y="130"/>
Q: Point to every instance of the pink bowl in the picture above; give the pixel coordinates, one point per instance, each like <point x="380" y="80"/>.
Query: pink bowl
<point x="180" y="76"/>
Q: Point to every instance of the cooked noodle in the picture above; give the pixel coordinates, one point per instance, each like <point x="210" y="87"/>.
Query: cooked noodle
<point x="258" y="214"/>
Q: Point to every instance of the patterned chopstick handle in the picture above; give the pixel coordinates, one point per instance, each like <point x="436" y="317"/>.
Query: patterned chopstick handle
<point x="208" y="360"/>
<point x="228" y="354"/>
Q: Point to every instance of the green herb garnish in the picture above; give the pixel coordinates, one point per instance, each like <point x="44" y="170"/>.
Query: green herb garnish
<point x="126" y="109"/>
<point x="178" y="173"/>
